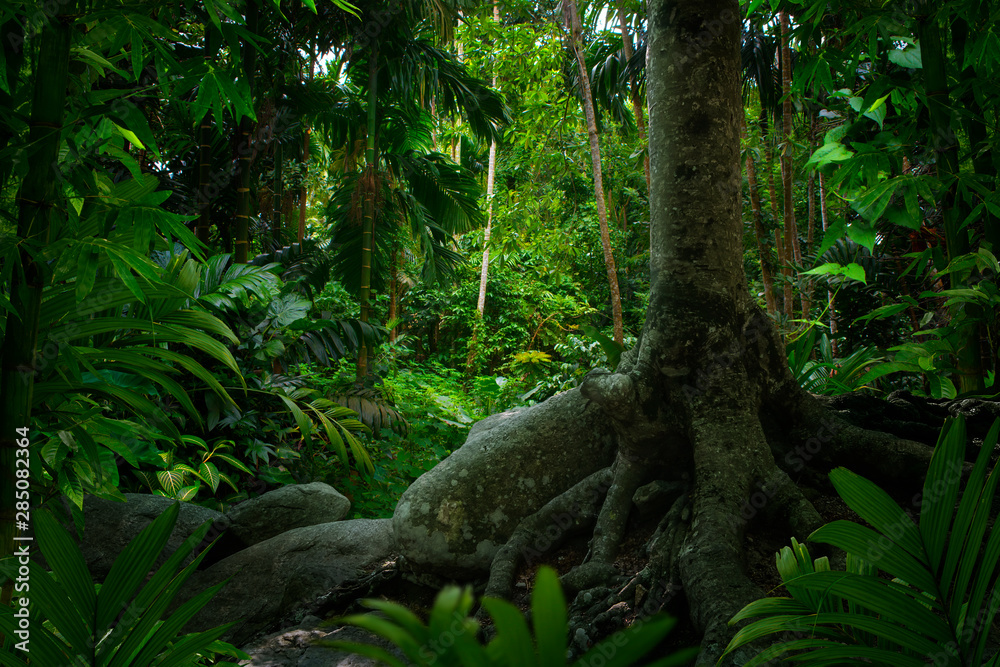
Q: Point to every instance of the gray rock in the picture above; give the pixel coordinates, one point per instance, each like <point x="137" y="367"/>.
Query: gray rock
<point x="271" y="579"/>
<point x="110" y="525"/>
<point x="292" y="506"/>
<point x="454" y="517"/>
<point x="296" y="647"/>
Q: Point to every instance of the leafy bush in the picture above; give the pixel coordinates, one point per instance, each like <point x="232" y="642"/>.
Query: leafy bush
<point x="119" y="622"/>
<point x="449" y="637"/>
<point x="933" y="358"/>
<point x="419" y="416"/>
<point x="531" y="380"/>
<point x="827" y="374"/>
<point x="182" y="476"/>
<point x="942" y="597"/>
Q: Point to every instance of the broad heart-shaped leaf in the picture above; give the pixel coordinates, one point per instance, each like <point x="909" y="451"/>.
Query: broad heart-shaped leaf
<point x="909" y="57"/>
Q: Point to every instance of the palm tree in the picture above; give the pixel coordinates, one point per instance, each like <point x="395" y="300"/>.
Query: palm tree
<point x="402" y="72"/>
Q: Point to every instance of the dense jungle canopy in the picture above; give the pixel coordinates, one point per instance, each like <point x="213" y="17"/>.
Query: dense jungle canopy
<point x="253" y="243"/>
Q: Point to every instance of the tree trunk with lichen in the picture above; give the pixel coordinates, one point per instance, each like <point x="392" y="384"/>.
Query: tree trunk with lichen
<point x="705" y="401"/>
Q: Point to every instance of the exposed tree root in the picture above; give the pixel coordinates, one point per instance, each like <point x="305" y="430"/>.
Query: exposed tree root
<point x="628" y="476"/>
<point x="565" y="515"/>
<point x="738" y="473"/>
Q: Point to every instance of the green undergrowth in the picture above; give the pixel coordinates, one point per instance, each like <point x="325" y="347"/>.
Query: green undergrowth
<point x="417" y="415"/>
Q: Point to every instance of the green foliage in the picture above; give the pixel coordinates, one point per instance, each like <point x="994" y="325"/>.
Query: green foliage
<point x="826" y="374"/>
<point x="122" y="621"/>
<point x="933" y="357"/>
<point x="449" y="636"/>
<point x="183" y="474"/>
<point x="574" y="358"/>
<point x="423" y="414"/>
<point x="942" y="597"/>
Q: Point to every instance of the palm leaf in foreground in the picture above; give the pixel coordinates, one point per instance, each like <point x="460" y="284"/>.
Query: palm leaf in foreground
<point x="943" y="598"/>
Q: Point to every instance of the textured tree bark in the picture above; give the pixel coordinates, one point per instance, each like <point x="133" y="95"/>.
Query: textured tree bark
<point x="369" y="181"/>
<point x="576" y="43"/>
<point x="784" y="253"/>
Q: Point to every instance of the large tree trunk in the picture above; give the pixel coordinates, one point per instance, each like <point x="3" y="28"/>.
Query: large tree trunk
<point x="576" y="43"/>
<point x="706" y="398"/>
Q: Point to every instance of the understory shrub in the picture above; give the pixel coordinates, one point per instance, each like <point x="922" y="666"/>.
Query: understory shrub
<point x="914" y="593"/>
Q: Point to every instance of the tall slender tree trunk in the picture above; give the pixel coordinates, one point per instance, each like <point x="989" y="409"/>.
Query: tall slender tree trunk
<point x="205" y="187"/>
<point x="303" y="193"/>
<point x="369" y="183"/>
<point x="576" y="42"/>
<point x="806" y="286"/>
<point x="241" y="245"/>
<point x="784" y="253"/>
<point x="640" y="121"/>
<point x="969" y="371"/>
<point x="12" y="49"/>
<point x="38" y="209"/>
<point x="788" y="204"/>
<point x="277" y="155"/>
<point x="394" y="290"/>
<point x="276" y="195"/>
<point x="829" y="293"/>
<point x="766" y="267"/>
<point x="204" y="177"/>
<point x="490" y="176"/>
